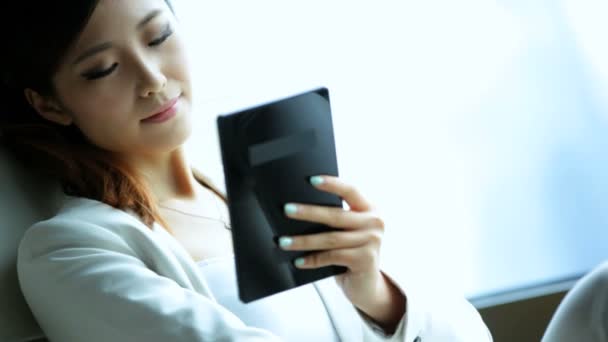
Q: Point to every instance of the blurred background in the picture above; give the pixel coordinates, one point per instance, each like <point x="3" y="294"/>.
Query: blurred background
<point x="478" y="127"/>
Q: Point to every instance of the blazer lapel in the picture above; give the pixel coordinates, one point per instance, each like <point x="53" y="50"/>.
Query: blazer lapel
<point x="341" y="312"/>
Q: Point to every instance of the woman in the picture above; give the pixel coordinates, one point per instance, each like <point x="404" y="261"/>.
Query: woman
<point x="97" y="94"/>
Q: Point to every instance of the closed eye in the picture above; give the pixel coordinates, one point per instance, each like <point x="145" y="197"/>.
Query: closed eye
<point x="93" y="75"/>
<point x="166" y="34"/>
<point x="97" y="74"/>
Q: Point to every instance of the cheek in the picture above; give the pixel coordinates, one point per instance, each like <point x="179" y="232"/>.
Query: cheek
<point x="103" y="120"/>
<point x="109" y="108"/>
<point x="178" y="63"/>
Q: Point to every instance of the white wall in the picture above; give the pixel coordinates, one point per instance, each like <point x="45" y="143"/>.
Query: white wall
<point x="449" y="115"/>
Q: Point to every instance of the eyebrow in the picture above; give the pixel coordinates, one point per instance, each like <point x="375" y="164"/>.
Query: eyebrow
<point x="104" y="46"/>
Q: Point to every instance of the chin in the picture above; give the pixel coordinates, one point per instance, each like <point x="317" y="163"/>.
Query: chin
<point x="178" y="137"/>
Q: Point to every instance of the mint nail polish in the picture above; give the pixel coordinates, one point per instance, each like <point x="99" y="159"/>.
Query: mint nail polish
<point x="299" y="262"/>
<point x="290" y="208"/>
<point x="316" y="180"/>
<point x="285" y="241"/>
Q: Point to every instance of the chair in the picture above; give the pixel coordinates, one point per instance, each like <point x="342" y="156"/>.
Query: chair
<point x="583" y="314"/>
<point x="25" y="199"/>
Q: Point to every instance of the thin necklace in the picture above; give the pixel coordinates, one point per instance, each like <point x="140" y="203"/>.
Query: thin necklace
<point x="196" y="215"/>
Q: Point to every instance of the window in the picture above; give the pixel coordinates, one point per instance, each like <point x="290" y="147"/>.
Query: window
<point x="475" y="126"/>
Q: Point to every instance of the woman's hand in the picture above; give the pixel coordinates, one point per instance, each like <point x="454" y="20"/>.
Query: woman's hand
<point x="356" y="246"/>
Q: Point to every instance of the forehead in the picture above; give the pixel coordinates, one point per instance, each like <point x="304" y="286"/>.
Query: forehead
<point x="113" y="18"/>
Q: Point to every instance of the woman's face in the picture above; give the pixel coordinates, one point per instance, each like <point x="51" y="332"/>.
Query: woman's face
<point x="128" y="63"/>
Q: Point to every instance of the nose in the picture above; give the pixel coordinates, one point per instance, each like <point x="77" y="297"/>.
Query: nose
<point x="151" y="79"/>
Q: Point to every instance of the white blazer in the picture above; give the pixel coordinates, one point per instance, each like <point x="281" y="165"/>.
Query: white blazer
<point x="96" y="273"/>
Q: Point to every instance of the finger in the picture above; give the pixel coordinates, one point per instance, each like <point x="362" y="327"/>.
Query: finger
<point x="355" y="259"/>
<point x="347" y="192"/>
<point x="330" y="240"/>
<point x="333" y="217"/>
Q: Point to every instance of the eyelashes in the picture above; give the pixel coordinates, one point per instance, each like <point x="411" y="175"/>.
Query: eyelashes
<point x="97" y="74"/>
<point x="93" y="75"/>
<point x="167" y="32"/>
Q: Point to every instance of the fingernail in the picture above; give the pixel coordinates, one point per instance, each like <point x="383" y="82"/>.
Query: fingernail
<point x="291" y="208"/>
<point x="299" y="262"/>
<point x="285" y="241"/>
<point x="316" y="180"/>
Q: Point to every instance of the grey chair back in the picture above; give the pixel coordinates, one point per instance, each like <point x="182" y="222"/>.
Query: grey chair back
<point x="25" y="198"/>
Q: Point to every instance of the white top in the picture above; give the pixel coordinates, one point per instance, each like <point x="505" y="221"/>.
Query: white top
<point x="96" y="273"/>
<point x="296" y="315"/>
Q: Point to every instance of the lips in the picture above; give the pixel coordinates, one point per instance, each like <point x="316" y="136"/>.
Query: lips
<point x="163" y="109"/>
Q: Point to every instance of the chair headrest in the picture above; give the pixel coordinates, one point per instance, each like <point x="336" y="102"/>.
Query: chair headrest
<point x="25" y="199"/>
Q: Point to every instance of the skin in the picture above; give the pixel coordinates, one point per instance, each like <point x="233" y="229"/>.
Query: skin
<point x="109" y="111"/>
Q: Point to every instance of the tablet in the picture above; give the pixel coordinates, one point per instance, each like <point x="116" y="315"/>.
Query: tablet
<point x="269" y="152"/>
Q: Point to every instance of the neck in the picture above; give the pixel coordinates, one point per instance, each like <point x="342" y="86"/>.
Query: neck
<point x="169" y="175"/>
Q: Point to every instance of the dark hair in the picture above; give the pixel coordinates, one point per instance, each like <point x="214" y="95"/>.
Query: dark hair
<point x="41" y="32"/>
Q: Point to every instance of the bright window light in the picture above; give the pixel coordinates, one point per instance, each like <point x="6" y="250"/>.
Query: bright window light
<point x="470" y="124"/>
